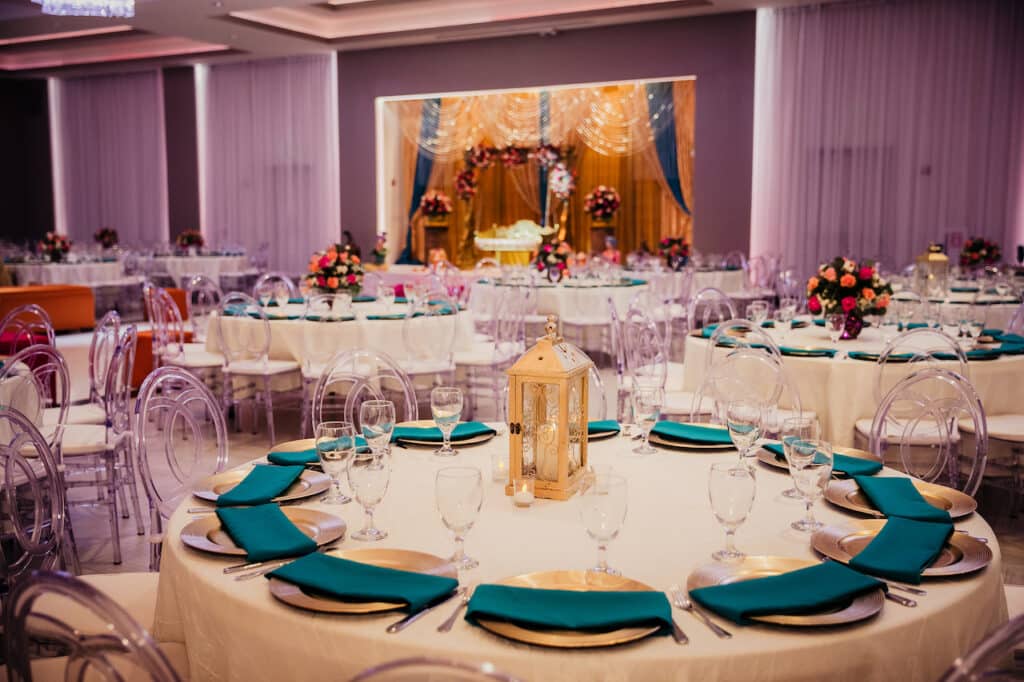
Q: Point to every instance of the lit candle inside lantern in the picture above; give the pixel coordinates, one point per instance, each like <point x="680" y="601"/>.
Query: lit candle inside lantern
<point x="522" y="494"/>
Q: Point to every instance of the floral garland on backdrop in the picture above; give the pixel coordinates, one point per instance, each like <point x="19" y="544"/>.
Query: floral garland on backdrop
<point x="602" y="202"/>
<point x="466" y="183"/>
<point x="105" y="237"/>
<point x="335" y="270"/>
<point x="54" y="246"/>
<point x="978" y="251"/>
<point x="554" y="261"/>
<point x="562" y="181"/>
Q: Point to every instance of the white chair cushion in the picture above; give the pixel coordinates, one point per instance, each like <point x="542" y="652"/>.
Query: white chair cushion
<point x="484" y="354"/>
<point x="262" y="368"/>
<point x="1009" y="427"/>
<point x="426" y="366"/>
<point x="82" y="439"/>
<point x="90" y="413"/>
<point x="925" y="433"/>
<point x="193" y="359"/>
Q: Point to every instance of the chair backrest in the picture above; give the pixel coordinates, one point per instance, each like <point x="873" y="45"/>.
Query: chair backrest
<point x="597" y="400"/>
<point x="735" y="260"/>
<point x="508" y="324"/>
<point x="33" y="510"/>
<point x="26" y="325"/>
<point x="922" y="414"/>
<point x="710" y="305"/>
<point x="740" y="334"/>
<point x="451" y="280"/>
<point x="202" y="297"/>
<point x="615" y="340"/>
<point x="993" y="658"/>
<point x="644" y="350"/>
<point x="355" y="376"/>
<point x="487" y="269"/>
<point x="104" y="339"/>
<point x="371" y="283"/>
<point x="750" y="373"/>
<point x="1016" y="323"/>
<point x="243" y="329"/>
<point x="913" y="350"/>
<point x="683" y="284"/>
<point x="168" y="327"/>
<point x="321" y="310"/>
<point x="268" y="284"/>
<point x="42" y="607"/>
<point x="429" y="335"/>
<point x="117" y="391"/>
<point x="36" y="378"/>
<point x="422" y="668"/>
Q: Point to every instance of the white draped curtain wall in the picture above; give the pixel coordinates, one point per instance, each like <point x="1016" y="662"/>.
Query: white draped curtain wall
<point x="269" y="157"/>
<point x="883" y="125"/>
<point x="109" y="157"/>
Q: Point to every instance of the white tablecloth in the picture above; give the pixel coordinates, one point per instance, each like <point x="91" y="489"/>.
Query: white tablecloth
<point x="568" y="301"/>
<point x="998" y="311"/>
<point x="238" y="631"/>
<point x="842" y="391"/>
<point x="179" y="267"/>
<point x="67" y="273"/>
<point x="729" y="281"/>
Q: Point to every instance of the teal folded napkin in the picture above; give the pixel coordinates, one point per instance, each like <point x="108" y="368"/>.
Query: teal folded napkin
<point x="1016" y="339"/>
<point x="343" y="318"/>
<point x="388" y="316"/>
<point x="570" y="609"/>
<point x="917" y="325"/>
<point x="807" y="352"/>
<point x="810" y="590"/>
<point x="432" y="434"/>
<point x="844" y="464"/>
<point x="264" y="532"/>
<point x="963" y="290"/>
<point x="302" y="457"/>
<point x="706" y="332"/>
<point x="363" y="298"/>
<point x="354" y="581"/>
<point x="603" y="426"/>
<point x="635" y="282"/>
<point x="873" y="357"/>
<point x="902" y="549"/>
<point x="897" y="496"/>
<point x="768" y="324"/>
<point x="973" y="354"/>
<point x="1012" y="349"/>
<point x="291" y="316"/>
<point x="260" y="485"/>
<point x="273" y="304"/>
<point x="692" y="433"/>
<point x="819" y="321"/>
<point x="401" y="299"/>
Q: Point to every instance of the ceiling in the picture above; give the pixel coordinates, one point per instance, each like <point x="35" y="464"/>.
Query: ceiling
<point x="190" y="31"/>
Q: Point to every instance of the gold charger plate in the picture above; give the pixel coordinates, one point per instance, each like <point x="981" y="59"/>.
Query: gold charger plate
<point x="680" y="445"/>
<point x="962" y="553"/>
<point x="399" y="559"/>
<point x="580" y="581"/>
<point x="864" y="606"/>
<point x="309" y="483"/>
<point x="769" y="458"/>
<point x="427" y="423"/>
<point x="602" y="435"/>
<point x="206" y="533"/>
<point x="847" y="494"/>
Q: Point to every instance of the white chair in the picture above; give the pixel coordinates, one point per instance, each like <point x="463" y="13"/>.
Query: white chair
<point x="353" y="377"/>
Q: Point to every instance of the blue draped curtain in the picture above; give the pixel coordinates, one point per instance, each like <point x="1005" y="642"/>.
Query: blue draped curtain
<point x="660" y="101"/>
<point x="545" y="125"/>
<point x="424" y="164"/>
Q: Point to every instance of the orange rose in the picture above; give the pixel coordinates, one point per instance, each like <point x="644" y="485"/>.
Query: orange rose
<point x="847" y="280"/>
<point x="868" y="293"/>
<point x="332" y="282"/>
<point x="829" y="274"/>
<point x="812" y="283"/>
<point x="883" y="301"/>
<point x="355" y="259"/>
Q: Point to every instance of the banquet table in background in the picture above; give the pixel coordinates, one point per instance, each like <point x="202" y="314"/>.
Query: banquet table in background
<point x="571" y="299"/>
<point x="842" y="390"/>
<point x="99" y="272"/>
<point x="238" y="631"/>
<point x="998" y="309"/>
<point x="729" y="281"/>
<point x="180" y="267"/>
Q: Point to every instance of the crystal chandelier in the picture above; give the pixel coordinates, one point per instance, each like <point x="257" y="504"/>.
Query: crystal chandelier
<point x="88" y="8"/>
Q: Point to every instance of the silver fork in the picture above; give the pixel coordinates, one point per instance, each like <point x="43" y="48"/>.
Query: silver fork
<point x="450" y="621"/>
<point x="681" y="601"/>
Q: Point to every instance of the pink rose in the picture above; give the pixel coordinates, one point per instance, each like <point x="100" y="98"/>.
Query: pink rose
<point x="325" y="262"/>
<point x="866" y="272"/>
<point x="848" y="303"/>
<point x="814" y="305"/>
<point x="351" y="279"/>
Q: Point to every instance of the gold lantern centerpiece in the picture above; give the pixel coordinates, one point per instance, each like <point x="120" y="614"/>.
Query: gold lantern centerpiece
<point x="548" y="416"/>
<point x="932" y="272"/>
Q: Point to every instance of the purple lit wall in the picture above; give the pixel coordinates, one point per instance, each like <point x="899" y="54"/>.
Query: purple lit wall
<point x="718" y="49"/>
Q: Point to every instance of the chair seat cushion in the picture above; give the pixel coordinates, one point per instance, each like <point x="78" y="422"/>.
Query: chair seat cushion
<point x="1008" y="427"/>
<point x="925" y="432"/>
<point x="83" y="439"/>
<point x="413" y="367"/>
<point x="261" y="367"/>
<point x="485" y="354"/>
<point x="89" y="413"/>
<point x="195" y="358"/>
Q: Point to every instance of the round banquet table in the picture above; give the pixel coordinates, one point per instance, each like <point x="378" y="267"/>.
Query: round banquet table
<point x="729" y="281"/>
<point x="841" y="391"/>
<point x="237" y="631"/>
<point x="998" y="310"/>
<point x="178" y="267"/>
<point x="569" y="300"/>
<point x="67" y="273"/>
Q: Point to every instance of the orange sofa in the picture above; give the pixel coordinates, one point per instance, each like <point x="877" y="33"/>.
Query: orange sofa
<point x="70" y="307"/>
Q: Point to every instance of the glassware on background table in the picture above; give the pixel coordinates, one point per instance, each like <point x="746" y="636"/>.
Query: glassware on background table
<point x="731" y="490"/>
<point x="812" y="478"/>
<point x="341" y="306"/>
<point x="446" y="408"/>
<point x="785" y="315"/>
<point x="377" y="421"/>
<point x="793" y="429"/>
<point x="745" y="420"/>
<point x="888" y="325"/>
<point x="757" y="311"/>
<point x="369" y="475"/>
<point x="264" y="294"/>
<point x="386" y="295"/>
<point x="335" y="446"/>
<point x="459" y="494"/>
<point x="905" y="311"/>
<point x="281" y="296"/>
<point x="647" y="404"/>
<point x="834" y="324"/>
<point x="603" y="504"/>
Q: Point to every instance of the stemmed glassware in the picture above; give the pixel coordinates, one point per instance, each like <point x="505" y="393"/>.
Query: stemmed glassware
<point x="835" y="323"/>
<point x="794" y="429"/>
<point x="264" y="295"/>
<point x="745" y="420"/>
<point x="459" y="494"/>
<point x="731" y="489"/>
<point x="812" y="478"/>
<point x="647" y="404"/>
<point x="603" y="504"/>
<point x="281" y="297"/>
<point x="369" y="475"/>
<point x="786" y="313"/>
<point x="377" y="421"/>
<point x="446" y="407"/>
<point x="905" y="311"/>
<point x="757" y="312"/>
<point x="335" y="446"/>
<point x="386" y="294"/>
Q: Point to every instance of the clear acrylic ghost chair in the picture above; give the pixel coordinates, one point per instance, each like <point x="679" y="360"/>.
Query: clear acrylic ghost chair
<point x="101" y="347"/>
<point x="428" y="338"/>
<point x="644" y="350"/>
<point x="586" y="323"/>
<point x="993" y="659"/>
<point x="709" y="305"/>
<point x="1016" y="323"/>
<point x="34" y="524"/>
<point x="423" y="669"/>
<point x="483" y="365"/>
<point x="353" y="377"/>
<point x="169" y="346"/>
<point x="487" y="269"/>
<point x="34" y="379"/>
<point x="740" y="334"/>
<point x="624" y="386"/>
<point x="921" y="416"/>
<point x="270" y="285"/>
<point x="372" y="282"/>
<point x="735" y="260"/>
<point x="26" y="325"/>
<point x="57" y="608"/>
<point x="180" y="439"/>
<point x="322" y="313"/>
<point x="202" y="297"/>
<point x="248" y="373"/>
<point x="597" y="399"/>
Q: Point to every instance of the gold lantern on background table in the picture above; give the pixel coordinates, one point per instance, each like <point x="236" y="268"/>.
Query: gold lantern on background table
<point x="931" y="276"/>
<point x="548" y="416"/>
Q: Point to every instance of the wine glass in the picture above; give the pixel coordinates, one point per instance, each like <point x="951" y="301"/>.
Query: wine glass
<point x="647" y="404"/>
<point x="264" y="294"/>
<point x="335" y="446"/>
<point x="377" y="421"/>
<point x="386" y="294"/>
<point x="603" y="503"/>
<point x="794" y="429"/>
<point x="834" y="323"/>
<point x="368" y="476"/>
<point x="731" y="489"/>
<point x="745" y="420"/>
<point x="281" y="296"/>
<point x="811" y="478"/>
<point x="757" y="312"/>
<point x="459" y="494"/>
<point x="446" y="406"/>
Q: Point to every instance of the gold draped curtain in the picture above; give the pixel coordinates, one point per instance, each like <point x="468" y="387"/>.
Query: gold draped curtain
<point x="647" y="213"/>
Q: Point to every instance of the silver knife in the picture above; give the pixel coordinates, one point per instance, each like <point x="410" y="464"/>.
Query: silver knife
<point x="416" y="615"/>
<point x="903" y="601"/>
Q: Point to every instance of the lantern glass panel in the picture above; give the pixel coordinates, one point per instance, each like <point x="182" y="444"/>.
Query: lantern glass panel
<point x="540" y="430"/>
<point x="577" y="422"/>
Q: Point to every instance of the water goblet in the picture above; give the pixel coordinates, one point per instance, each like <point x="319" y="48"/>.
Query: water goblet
<point x="757" y="312"/>
<point x="341" y="306"/>
<point x="835" y="323"/>
<point x="446" y="406"/>
<point x="335" y="446"/>
<point x="377" y="421"/>
<point x="812" y="478"/>
<point x="745" y="420"/>
<point x="794" y="429"/>
<point x="603" y="504"/>
<point x="368" y="476"/>
<point x="459" y="494"/>
<point x="905" y="312"/>
<point x="731" y="489"/>
<point x="647" y="404"/>
<point x="386" y="294"/>
<point x="281" y="296"/>
<point x="264" y="294"/>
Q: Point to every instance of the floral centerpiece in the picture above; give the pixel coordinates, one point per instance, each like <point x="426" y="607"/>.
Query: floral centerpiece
<point x="845" y="286"/>
<point x="977" y="252"/>
<point x="54" y="246"/>
<point x="189" y="239"/>
<point x="601" y="203"/>
<point x="105" y="237"/>
<point x="335" y="271"/>
<point x="435" y="205"/>
<point x="675" y="251"/>
<point x="554" y="260"/>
